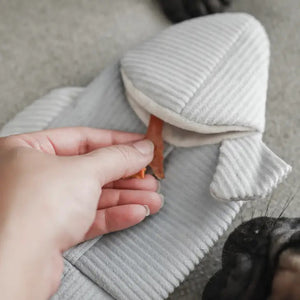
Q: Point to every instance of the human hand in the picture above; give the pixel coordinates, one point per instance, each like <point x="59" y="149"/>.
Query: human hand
<point x="62" y="186"/>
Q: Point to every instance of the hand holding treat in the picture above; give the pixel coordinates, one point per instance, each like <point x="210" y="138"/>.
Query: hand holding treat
<point x="60" y="187"/>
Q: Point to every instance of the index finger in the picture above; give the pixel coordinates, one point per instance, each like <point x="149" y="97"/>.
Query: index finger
<point x="72" y="140"/>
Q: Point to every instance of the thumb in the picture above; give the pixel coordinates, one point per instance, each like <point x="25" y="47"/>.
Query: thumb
<point x="115" y="162"/>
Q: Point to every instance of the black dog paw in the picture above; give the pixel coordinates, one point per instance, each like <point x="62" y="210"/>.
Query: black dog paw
<point x="180" y="10"/>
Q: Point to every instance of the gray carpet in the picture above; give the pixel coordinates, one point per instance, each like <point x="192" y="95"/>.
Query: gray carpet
<point x="47" y="44"/>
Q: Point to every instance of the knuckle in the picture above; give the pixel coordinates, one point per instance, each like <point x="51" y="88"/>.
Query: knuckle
<point x="125" y="152"/>
<point x="98" y="225"/>
<point x="107" y="225"/>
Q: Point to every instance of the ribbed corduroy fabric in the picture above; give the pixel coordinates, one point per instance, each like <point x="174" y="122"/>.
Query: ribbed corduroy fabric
<point x="247" y="169"/>
<point x="78" y="286"/>
<point x="210" y="71"/>
<point x="207" y="79"/>
<point x="41" y="113"/>
<point x="149" y="260"/>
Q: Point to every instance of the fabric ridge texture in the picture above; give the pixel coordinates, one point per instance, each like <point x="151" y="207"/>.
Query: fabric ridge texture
<point x="207" y="79"/>
<point x="210" y="83"/>
<point x="149" y="260"/>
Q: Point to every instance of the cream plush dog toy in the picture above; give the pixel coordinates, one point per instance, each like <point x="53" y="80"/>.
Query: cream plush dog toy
<point x="207" y="80"/>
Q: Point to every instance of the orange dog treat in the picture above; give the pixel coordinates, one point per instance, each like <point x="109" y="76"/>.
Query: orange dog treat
<point x="154" y="134"/>
<point x="139" y="175"/>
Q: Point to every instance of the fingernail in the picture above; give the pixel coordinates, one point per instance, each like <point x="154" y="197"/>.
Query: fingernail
<point x="158" y="186"/>
<point x="144" y="146"/>
<point x="162" y="198"/>
<point x="147" y="210"/>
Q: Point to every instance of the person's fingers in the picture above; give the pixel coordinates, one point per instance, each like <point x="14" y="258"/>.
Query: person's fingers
<point x="149" y="183"/>
<point x="72" y="140"/>
<point x="120" y="161"/>
<point x="114" y="197"/>
<point x="116" y="218"/>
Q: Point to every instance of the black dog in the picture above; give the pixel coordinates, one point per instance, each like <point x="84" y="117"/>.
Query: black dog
<point x="260" y="260"/>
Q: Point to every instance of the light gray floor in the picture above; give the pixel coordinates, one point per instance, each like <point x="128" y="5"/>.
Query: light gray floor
<point x="47" y="44"/>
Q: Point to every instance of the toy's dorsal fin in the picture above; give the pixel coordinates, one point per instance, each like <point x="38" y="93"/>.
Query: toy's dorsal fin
<point x="247" y="169"/>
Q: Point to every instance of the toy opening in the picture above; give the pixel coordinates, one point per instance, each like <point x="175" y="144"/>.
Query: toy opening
<point x="177" y="130"/>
